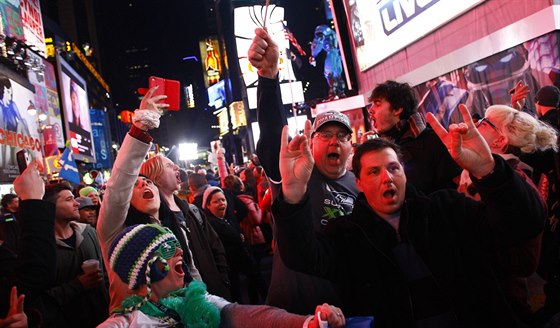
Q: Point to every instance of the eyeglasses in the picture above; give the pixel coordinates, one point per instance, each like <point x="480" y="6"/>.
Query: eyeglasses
<point x="484" y="119"/>
<point x="340" y="136"/>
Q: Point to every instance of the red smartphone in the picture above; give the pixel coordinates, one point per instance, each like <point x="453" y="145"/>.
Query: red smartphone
<point x="170" y="88"/>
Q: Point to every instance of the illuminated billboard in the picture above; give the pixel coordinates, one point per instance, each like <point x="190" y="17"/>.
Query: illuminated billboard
<point x="77" y="124"/>
<point x="382" y="27"/>
<point x="246" y="20"/>
<point x="211" y="60"/>
<point x="18" y="128"/>
<point x="32" y="23"/>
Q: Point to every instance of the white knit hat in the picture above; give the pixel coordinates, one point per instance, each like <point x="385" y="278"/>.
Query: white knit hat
<point x="207" y="192"/>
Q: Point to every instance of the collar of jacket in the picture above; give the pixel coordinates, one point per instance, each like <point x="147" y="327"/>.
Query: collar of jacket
<point x="79" y="229"/>
<point x="408" y="128"/>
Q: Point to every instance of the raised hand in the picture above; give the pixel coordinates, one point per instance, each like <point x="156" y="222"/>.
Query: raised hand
<point x="465" y="144"/>
<point x="519" y="95"/>
<point x="147" y="116"/>
<point x="150" y="102"/>
<point x="263" y="54"/>
<point x="296" y="164"/>
<point x="30" y="184"/>
<point x="16" y="318"/>
<point x="329" y="313"/>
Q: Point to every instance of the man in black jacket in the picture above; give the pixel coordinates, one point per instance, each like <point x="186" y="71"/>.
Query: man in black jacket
<point x="33" y="269"/>
<point x="332" y="187"/>
<point x="408" y="259"/>
<point x="394" y="114"/>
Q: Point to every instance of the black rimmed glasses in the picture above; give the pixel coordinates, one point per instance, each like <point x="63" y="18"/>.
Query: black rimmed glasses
<point x="484" y="119"/>
<point x="340" y="136"/>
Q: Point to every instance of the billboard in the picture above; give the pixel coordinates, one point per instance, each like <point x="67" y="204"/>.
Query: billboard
<point x="212" y="61"/>
<point x="217" y="95"/>
<point x="246" y="20"/>
<point x="33" y="25"/>
<point x="18" y="129"/>
<point x="43" y="79"/>
<point x="73" y="92"/>
<point x="380" y="28"/>
<point x="10" y="24"/>
<point x="101" y="138"/>
<point x="488" y="81"/>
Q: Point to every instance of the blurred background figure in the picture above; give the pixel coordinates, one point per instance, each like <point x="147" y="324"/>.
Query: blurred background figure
<point x="9" y="226"/>
<point x="88" y="211"/>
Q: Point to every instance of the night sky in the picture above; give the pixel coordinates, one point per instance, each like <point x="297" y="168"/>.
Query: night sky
<point x="169" y="31"/>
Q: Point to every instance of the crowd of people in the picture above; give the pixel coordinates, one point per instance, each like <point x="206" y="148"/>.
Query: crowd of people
<point x="431" y="227"/>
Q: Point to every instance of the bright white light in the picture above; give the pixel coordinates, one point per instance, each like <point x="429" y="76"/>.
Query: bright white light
<point x="188" y="151"/>
<point x="292" y="127"/>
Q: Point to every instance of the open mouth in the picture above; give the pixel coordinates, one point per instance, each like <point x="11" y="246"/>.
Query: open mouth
<point x="333" y="156"/>
<point x="148" y="194"/>
<point x="179" y="268"/>
<point x="389" y="194"/>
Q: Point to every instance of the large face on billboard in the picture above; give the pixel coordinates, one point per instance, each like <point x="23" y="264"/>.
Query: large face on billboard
<point x="76" y="112"/>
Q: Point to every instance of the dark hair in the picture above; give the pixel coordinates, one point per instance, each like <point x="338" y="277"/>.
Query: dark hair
<point x="183" y="175"/>
<point x="52" y="191"/>
<point x="233" y="182"/>
<point x="369" y="146"/>
<point x="7" y="199"/>
<point x="4" y="83"/>
<point x="197" y="180"/>
<point x="399" y="95"/>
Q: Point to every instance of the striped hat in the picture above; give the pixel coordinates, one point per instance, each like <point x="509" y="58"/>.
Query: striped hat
<point x="136" y="248"/>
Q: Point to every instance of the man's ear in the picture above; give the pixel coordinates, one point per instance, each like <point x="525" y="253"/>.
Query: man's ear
<point x="397" y="112"/>
<point x="359" y="184"/>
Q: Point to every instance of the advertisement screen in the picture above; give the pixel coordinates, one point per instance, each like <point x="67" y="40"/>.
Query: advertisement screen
<point x="246" y="19"/>
<point x="382" y="27"/>
<point x="489" y="80"/>
<point x="102" y="138"/>
<point x="73" y="93"/>
<point x="18" y="128"/>
<point x="217" y="95"/>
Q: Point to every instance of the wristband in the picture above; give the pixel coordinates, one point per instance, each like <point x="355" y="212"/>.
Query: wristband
<point x="146" y="119"/>
<point x="322" y="323"/>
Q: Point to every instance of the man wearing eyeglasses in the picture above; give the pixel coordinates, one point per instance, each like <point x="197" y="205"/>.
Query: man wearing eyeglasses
<point x="332" y="188"/>
<point x="394" y="114"/>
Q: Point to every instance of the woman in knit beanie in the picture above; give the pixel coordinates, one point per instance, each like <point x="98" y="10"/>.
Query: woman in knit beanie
<point x="148" y="258"/>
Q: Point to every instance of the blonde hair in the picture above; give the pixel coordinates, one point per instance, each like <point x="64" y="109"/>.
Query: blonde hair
<point x="522" y="130"/>
<point x="153" y="168"/>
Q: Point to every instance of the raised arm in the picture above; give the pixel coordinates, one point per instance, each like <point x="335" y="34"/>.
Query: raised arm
<point x="263" y="55"/>
<point x="510" y="211"/>
<point x="520" y="92"/>
<point x="125" y="170"/>
<point x="37" y="253"/>
<point x="296" y="164"/>
<point x="465" y="144"/>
